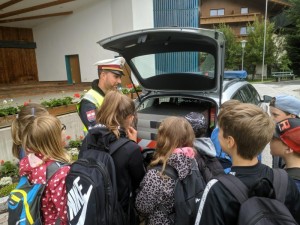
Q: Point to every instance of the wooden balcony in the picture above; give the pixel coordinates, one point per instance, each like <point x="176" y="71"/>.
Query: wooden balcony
<point x="281" y="2"/>
<point x="234" y="18"/>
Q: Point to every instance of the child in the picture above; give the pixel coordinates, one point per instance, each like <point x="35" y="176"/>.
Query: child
<point x="115" y="118"/>
<point x="175" y="141"/>
<point x="208" y="164"/>
<point x="43" y="142"/>
<point x="283" y="107"/>
<point x="18" y="125"/>
<point x="224" y="158"/>
<point x="286" y="144"/>
<point x="244" y="132"/>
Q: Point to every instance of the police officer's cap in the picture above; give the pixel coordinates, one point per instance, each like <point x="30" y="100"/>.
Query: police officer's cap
<point x="114" y="65"/>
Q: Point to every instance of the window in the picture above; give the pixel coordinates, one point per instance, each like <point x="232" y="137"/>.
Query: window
<point x="213" y="12"/>
<point x="244" y="11"/>
<point x="217" y="12"/>
<point x="255" y="95"/>
<point x="243" y="30"/>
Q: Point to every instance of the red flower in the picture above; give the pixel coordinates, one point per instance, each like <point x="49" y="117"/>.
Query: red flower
<point x="68" y="137"/>
<point x="76" y="95"/>
<point x="26" y="103"/>
<point x="1" y="162"/>
<point x="81" y="137"/>
<point x="129" y="85"/>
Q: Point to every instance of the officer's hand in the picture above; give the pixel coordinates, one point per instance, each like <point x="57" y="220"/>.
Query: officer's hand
<point x="132" y="133"/>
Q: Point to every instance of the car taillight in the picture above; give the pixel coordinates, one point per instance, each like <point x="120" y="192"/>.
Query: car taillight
<point x="212" y="117"/>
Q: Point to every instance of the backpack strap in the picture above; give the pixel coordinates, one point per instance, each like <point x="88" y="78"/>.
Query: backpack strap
<point x="280" y="183"/>
<point x="169" y="171"/>
<point x="51" y="169"/>
<point x="233" y="184"/>
<point x="116" y="145"/>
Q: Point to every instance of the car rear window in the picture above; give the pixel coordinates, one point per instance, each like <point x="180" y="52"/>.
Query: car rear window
<point x="198" y="63"/>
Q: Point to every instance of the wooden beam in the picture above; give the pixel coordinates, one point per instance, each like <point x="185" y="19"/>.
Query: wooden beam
<point x="36" y="17"/>
<point x="9" y="3"/>
<point x="33" y="8"/>
<point x="17" y="44"/>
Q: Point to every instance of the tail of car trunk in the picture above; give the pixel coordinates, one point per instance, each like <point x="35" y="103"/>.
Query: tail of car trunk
<point x="154" y="109"/>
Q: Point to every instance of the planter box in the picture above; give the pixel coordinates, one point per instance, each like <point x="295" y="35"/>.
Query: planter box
<point x="5" y="121"/>
<point x="3" y="204"/>
<point x="61" y="110"/>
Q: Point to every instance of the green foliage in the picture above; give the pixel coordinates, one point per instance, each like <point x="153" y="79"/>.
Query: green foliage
<point x="75" y="143"/>
<point x="254" y="46"/>
<point x="8" y="169"/>
<point x="8" y="111"/>
<point x="57" y="102"/>
<point x="292" y="34"/>
<point x="125" y="91"/>
<point x="4" y="191"/>
<point x="74" y="157"/>
<point x="233" y="50"/>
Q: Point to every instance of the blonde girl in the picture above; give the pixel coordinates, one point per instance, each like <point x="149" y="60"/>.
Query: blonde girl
<point x="175" y="139"/>
<point x="27" y="112"/>
<point x="114" y="121"/>
<point x="43" y="142"/>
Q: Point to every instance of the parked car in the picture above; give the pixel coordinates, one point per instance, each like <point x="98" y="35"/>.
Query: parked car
<point x="181" y="70"/>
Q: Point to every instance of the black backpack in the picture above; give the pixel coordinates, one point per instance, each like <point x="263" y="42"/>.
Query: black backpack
<point x="187" y="194"/>
<point x="92" y="188"/>
<point x="24" y="202"/>
<point x="257" y="210"/>
<point x="209" y="166"/>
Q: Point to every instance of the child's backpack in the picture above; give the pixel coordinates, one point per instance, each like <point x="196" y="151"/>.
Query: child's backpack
<point x="92" y="189"/>
<point x="24" y="203"/>
<point x="187" y="194"/>
<point x="258" y="210"/>
<point x="209" y="166"/>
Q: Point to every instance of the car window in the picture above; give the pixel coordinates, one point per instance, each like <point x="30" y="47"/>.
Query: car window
<point x="170" y="63"/>
<point x="256" y="97"/>
<point x="238" y="96"/>
<point x="246" y="94"/>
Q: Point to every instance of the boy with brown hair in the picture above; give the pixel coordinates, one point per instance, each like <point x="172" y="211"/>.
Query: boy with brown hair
<point x="245" y="129"/>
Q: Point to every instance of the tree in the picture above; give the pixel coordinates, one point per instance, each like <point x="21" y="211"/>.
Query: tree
<point x="254" y="46"/>
<point x="292" y="34"/>
<point x="232" y="49"/>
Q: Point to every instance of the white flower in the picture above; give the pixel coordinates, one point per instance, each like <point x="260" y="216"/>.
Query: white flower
<point x="4" y="102"/>
<point x="73" y="151"/>
<point x="5" y="181"/>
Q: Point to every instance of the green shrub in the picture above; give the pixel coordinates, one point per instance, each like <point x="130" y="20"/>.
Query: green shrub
<point x="75" y="143"/>
<point x="57" y="102"/>
<point x="8" y="169"/>
<point x="7" y="189"/>
<point x="8" y="111"/>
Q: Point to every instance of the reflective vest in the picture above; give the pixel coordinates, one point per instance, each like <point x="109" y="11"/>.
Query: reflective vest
<point x="93" y="97"/>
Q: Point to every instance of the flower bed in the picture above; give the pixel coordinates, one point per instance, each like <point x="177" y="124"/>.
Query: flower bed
<point x="55" y="106"/>
<point x="8" y="181"/>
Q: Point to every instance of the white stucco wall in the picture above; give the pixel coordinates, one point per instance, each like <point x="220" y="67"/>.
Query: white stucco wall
<point x="79" y="32"/>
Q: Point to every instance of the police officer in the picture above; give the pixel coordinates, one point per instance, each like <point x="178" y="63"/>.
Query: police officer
<point x="109" y="73"/>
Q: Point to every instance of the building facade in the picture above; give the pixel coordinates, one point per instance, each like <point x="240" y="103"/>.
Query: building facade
<point x="237" y="13"/>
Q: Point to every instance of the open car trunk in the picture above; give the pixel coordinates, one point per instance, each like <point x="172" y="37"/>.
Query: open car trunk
<point x="154" y="109"/>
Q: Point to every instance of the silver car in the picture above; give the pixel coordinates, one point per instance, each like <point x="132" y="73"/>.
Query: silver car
<point x="181" y="70"/>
